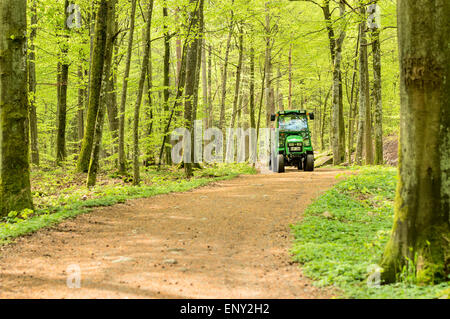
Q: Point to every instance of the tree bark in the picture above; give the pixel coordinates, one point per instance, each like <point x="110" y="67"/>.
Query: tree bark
<point x="238" y="77"/>
<point x="105" y="94"/>
<point x="122" y="155"/>
<point x="378" y="121"/>
<point x="95" y="85"/>
<point x="32" y="88"/>
<point x="166" y="71"/>
<point x="421" y="231"/>
<point x="337" y="124"/>
<point x="62" y="88"/>
<point x="191" y="73"/>
<point x="364" y="131"/>
<point x="225" y="73"/>
<point x="252" y="87"/>
<point x="136" y="152"/>
<point x="15" y="190"/>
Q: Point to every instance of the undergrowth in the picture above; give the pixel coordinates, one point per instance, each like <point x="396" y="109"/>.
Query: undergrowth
<point x="60" y="194"/>
<point x="342" y="236"/>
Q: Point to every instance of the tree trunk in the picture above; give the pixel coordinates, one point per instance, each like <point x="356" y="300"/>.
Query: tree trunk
<point x="210" y="96"/>
<point x="270" y="107"/>
<point x="81" y="98"/>
<point x="111" y="94"/>
<point x="190" y="84"/>
<point x="338" y="145"/>
<point x="97" y="65"/>
<point x="32" y="88"/>
<point x="15" y="190"/>
<point x="290" y="78"/>
<point x="136" y="153"/>
<point x="238" y="77"/>
<point x="225" y="73"/>
<point x="62" y="96"/>
<point x="376" y="52"/>
<point x="123" y="102"/>
<point x="252" y="87"/>
<point x="166" y="71"/>
<point x="104" y="97"/>
<point x="364" y="132"/>
<point x="421" y="231"/>
<point x="205" y="85"/>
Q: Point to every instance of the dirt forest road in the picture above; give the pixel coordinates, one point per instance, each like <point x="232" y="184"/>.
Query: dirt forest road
<point x="227" y="240"/>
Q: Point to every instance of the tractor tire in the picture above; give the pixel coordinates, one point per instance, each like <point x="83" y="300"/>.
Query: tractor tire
<point x="280" y="164"/>
<point x="300" y="165"/>
<point x="309" y="163"/>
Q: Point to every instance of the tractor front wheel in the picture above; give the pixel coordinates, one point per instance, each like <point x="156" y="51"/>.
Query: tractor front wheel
<point x="309" y="163"/>
<point x="280" y="164"/>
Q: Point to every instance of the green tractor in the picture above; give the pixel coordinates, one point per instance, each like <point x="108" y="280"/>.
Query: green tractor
<point x="294" y="147"/>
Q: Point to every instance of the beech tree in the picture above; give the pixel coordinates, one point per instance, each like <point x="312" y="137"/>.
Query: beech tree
<point x="15" y="192"/>
<point x="421" y="231"/>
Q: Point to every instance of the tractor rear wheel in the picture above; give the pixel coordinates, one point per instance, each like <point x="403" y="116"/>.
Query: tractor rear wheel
<point x="309" y="163"/>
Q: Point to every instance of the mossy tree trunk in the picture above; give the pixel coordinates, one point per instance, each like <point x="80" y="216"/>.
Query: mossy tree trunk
<point x="191" y="73"/>
<point x="421" y="231"/>
<point x="95" y="86"/>
<point x="166" y="82"/>
<point x="122" y="155"/>
<point x="32" y="88"/>
<point x="144" y="71"/>
<point x="15" y="193"/>
<point x="105" y="94"/>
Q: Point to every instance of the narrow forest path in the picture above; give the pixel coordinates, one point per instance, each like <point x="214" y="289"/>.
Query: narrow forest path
<point x="227" y="240"/>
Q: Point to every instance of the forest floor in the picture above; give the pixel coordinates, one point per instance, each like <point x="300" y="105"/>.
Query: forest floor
<point x="227" y="240"/>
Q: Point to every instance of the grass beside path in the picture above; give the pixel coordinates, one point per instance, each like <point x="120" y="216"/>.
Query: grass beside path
<point x="343" y="233"/>
<point x="60" y="194"/>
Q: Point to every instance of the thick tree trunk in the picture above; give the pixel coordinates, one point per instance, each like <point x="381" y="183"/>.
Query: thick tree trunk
<point x="32" y="88"/>
<point x="144" y="69"/>
<point x="95" y="85"/>
<point x="15" y="193"/>
<point x="421" y="231"/>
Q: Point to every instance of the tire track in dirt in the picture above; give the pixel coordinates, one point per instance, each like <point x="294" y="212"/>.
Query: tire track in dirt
<point x="227" y="240"/>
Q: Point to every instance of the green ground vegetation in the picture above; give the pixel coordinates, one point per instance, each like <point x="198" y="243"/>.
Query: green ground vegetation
<point x="341" y="238"/>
